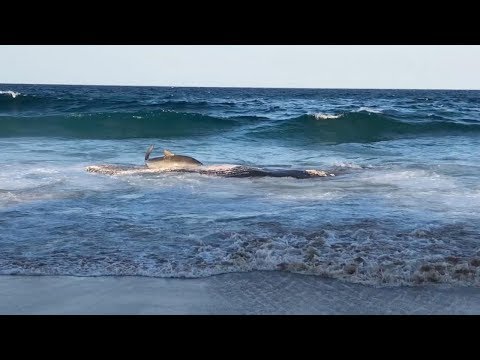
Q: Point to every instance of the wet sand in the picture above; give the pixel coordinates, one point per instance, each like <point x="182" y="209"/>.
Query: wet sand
<point x="245" y="293"/>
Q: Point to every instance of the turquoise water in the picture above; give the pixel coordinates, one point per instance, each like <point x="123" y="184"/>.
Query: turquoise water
<point x="402" y="208"/>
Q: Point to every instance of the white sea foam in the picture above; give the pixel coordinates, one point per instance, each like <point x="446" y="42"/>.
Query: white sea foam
<point x="413" y="179"/>
<point x="347" y="165"/>
<point x="425" y="189"/>
<point x="370" y="110"/>
<point x="375" y="258"/>
<point x="324" y="116"/>
<point x="13" y="94"/>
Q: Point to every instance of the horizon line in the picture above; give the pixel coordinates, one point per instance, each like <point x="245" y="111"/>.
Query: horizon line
<point x="244" y="87"/>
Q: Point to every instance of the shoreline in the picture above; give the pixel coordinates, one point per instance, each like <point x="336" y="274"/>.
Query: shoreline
<point x="258" y="292"/>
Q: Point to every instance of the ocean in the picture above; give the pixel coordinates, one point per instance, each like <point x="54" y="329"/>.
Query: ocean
<point x="402" y="208"/>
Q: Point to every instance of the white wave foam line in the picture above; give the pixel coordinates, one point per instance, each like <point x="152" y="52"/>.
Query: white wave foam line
<point x="12" y="198"/>
<point x="323" y="116"/>
<point x="306" y="196"/>
<point x="13" y="94"/>
<point x="370" y="110"/>
<point x="414" y="179"/>
<point x="427" y="189"/>
<point x="318" y="255"/>
<point x="313" y="255"/>
<point x="19" y="182"/>
<point x="347" y="165"/>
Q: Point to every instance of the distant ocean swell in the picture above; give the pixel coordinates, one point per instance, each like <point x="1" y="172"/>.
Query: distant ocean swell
<point x="323" y="128"/>
<point x="362" y="127"/>
<point x="45" y="103"/>
<point x="115" y="125"/>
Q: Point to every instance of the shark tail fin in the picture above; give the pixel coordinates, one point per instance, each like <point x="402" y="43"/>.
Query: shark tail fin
<point x="149" y="151"/>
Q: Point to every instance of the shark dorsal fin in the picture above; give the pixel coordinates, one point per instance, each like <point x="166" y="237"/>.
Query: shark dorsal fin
<point x="167" y="153"/>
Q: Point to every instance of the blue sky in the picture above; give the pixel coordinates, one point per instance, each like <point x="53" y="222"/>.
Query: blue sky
<point x="418" y="67"/>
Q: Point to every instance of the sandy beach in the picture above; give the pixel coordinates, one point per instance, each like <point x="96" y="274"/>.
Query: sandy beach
<point x="240" y="293"/>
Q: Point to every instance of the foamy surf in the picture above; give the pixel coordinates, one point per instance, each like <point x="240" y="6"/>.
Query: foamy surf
<point x="368" y="257"/>
<point x="13" y="94"/>
<point x="370" y="110"/>
<point x="323" y="116"/>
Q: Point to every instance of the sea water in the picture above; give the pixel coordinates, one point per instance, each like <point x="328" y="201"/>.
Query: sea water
<point x="403" y="208"/>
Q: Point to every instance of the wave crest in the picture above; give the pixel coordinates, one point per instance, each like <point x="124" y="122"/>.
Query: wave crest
<point x="356" y="127"/>
<point x="322" y="128"/>
<point x="164" y="124"/>
<point x="322" y="116"/>
<point x="13" y="94"/>
<point x="370" y="110"/>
